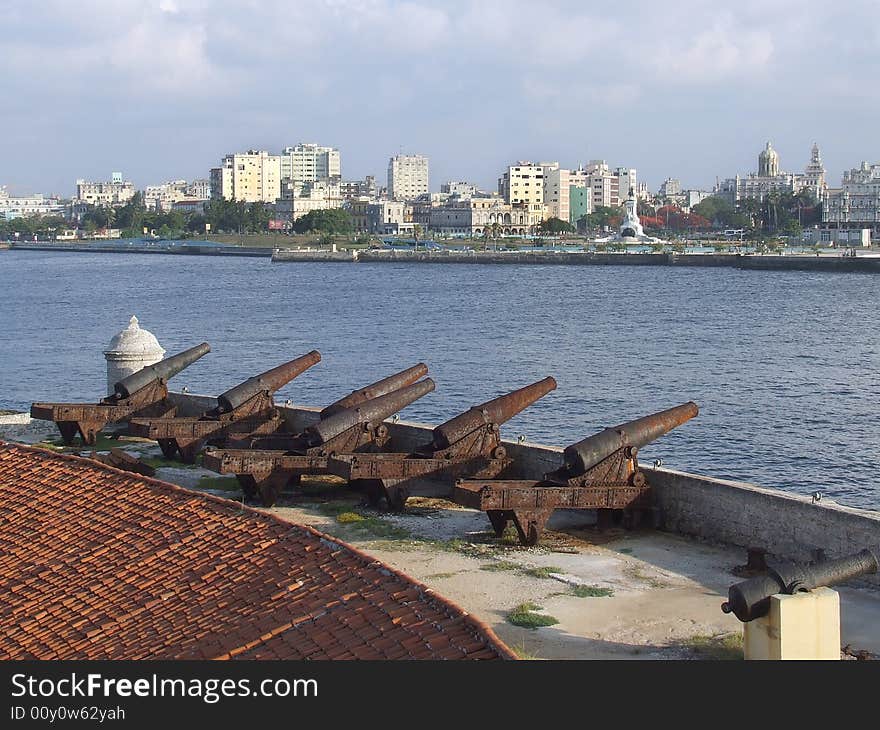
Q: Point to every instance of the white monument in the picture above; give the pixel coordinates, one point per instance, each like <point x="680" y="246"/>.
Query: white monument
<point x="130" y="351"/>
<point x="631" y="230"/>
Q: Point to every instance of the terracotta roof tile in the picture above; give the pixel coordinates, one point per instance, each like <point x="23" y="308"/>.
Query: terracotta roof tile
<point x="99" y="563"/>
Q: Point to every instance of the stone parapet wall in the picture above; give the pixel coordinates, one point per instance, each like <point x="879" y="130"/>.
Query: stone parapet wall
<point x="787" y="526"/>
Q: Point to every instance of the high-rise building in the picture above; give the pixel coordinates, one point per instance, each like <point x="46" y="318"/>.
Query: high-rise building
<point x="253" y="176"/>
<point x="407" y="177"/>
<point x="524" y="184"/>
<point x="671" y="187"/>
<point x="557" y="182"/>
<point x="306" y="162"/>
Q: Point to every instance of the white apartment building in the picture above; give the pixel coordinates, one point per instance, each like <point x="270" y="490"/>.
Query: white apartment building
<point x="317" y="195"/>
<point x="671" y="186"/>
<point x="253" y="176"/>
<point x="163" y="197"/>
<point x="199" y="189"/>
<point x="22" y="206"/>
<point x="307" y="162"/>
<point x="115" y="192"/>
<point x="856" y="204"/>
<point x="557" y="184"/>
<point x="407" y="177"/>
<point x="460" y="188"/>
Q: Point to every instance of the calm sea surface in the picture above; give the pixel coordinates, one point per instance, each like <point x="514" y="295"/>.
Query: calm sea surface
<point x="784" y="365"/>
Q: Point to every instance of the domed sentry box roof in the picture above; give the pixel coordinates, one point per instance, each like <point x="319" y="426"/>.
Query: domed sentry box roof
<point x="134" y="341"/>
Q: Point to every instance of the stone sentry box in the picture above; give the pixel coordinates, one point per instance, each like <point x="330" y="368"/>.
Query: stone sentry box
<point x="130" y="350"/>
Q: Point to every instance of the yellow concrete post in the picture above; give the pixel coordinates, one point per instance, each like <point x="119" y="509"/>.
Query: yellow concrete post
<point x="800" y="626"/>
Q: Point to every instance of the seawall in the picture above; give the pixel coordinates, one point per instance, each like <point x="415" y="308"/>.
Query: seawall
<point x="182" y="249"/>
<point x="787" y="526"/>
<point x="794" y="262"/>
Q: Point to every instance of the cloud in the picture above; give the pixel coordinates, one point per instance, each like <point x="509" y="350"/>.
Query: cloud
<point x="203" y="77"/>
<point x="720" y="52"/>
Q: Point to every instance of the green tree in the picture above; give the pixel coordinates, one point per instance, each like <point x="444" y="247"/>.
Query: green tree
<point x="334" y="220"/>
<point x="602" y="216"/>
<point x="553" y="226"/>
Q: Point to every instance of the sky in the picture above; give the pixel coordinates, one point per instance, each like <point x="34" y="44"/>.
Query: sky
<point x="162" y="89"/>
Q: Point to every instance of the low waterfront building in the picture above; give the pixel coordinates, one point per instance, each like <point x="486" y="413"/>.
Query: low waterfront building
<point x="23" y="206"/>
<point x="478" y="216"/>
<point x="190" y="205"/>
<point x="837" y="237"/>
<point x="408" y="177"/>
<point x="856" y="204"/>
<point x="389" y="217"/>
<point x="253" y="177"/>
<point x="114" y="192"/>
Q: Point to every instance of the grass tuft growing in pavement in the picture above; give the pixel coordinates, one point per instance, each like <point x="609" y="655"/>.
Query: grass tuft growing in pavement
<point x="499" y="565"/>
<point x="525" y="617"/>
<point x="591" y="592"/>
<point x="726" y="647"/>
<point x="545" y="572"/>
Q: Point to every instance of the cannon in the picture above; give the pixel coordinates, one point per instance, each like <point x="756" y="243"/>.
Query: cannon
<point x="350" y="431"/>
<point x="601" y="472"/>
<point x="469" y="443"/>
<point x="379" y="388"/>
<point x="288" y="441"/>
<point x="141" y="394"/>
<point x="751" y="598"/>
<point x="243" y="411"/>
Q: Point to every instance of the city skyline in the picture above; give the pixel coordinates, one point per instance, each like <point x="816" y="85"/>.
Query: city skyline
<point x="161" y="89"/>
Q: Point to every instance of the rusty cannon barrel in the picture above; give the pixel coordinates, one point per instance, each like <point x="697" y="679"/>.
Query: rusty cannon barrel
<point x="267" y="382"/>
<point x="162" y="370"/>
<point x="751" y="598"/>
<point x="498" y="410"/>
<point x="584" y="455"/>
<point x="377" y="389"/>
<point x="372" y="411"/>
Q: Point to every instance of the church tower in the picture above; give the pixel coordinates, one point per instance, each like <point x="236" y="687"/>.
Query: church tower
<point x="814" y="173"/>
<point x="768" y="162"/>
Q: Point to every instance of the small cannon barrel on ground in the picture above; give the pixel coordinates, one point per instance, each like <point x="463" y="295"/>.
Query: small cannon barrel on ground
<point x="267" y="472"/>
<point x="600" y="472"/>
<point x="751" y="598"/>
<point x="469" y="443"/>
<point x="244" y="411"/>
<point x="141" y="394"/>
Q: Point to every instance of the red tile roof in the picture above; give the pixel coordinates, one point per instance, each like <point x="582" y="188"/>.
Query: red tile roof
<point x="99" y="563"/>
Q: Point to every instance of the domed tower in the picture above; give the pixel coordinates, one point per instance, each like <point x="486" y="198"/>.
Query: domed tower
<point x="768" y="162"/>
<point x="129" y="351"/>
